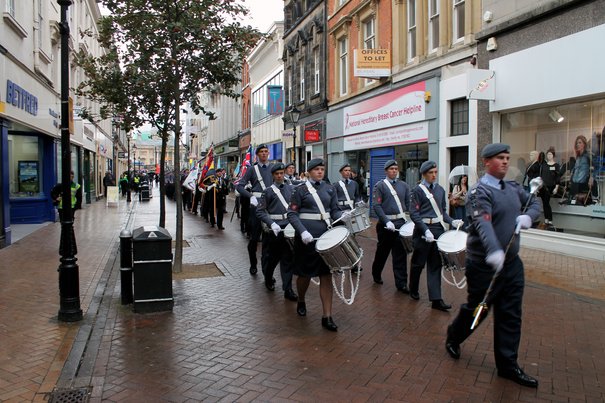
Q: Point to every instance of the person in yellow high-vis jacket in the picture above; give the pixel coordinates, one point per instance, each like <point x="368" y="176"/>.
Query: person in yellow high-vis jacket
<point x="76" y="197"/>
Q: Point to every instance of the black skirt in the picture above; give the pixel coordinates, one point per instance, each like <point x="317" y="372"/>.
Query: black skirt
<point x="307" y="261"/>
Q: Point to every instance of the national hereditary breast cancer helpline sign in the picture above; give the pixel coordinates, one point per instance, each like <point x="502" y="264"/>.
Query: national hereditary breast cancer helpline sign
<point x="407" y="134"/>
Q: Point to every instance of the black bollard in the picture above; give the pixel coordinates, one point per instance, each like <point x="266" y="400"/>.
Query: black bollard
<point x="126" y="267"/>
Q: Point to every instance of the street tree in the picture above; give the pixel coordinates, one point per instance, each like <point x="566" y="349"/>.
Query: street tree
<point x="166" y="53"/>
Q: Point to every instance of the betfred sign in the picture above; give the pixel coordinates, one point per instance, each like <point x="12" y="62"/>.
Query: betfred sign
<point x="312" y="136"/>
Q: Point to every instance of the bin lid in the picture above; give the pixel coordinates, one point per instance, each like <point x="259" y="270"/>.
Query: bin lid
<point x="150" y="233"/>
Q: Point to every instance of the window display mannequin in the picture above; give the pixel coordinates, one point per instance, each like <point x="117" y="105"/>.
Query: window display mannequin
<point x="533" y="169"/>
<point x="551" y="173"/>
<point x="581" y="180"/>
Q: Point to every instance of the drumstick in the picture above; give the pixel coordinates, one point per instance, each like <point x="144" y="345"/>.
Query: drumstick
<point x="343" y="216"/>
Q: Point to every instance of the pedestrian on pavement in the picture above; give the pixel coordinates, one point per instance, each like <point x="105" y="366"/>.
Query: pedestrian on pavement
<point x="428" y="211"/>
<point x="272" y="211"/>
<point x="495" y="209"/>
<point x="76" y="197"/>
<point x="391" y="200"/>
<point x="124" y="184"/>
<point x="312" y="207"/>
<point x="108" y="180"/>
<point x="259" y="177"/>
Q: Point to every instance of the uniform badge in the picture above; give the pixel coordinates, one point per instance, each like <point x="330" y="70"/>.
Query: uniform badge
<point x="294" y="207"/>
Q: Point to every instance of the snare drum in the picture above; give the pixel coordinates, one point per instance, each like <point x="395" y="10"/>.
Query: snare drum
<point x="452" y="247"/>
<point x="359" y="220"/>
<point x="289" y="235"/>
<point x="405" y="234"/>
<point x="338" y="249"/>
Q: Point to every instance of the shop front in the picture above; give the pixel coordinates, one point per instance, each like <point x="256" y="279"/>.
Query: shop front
<point x="227" y="155"/>
<point x="555" y="126"/>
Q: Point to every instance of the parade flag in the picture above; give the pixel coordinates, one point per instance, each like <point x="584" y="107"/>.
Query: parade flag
<point x="245" y="164"/>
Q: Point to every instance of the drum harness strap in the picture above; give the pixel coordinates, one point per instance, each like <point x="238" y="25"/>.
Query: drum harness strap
<point x="259" y="177"/>
<point x="323" y="215"/>
<point x="396" y="197"/>
<point x="439" y="217"/>
<point x="348" y="202"/>
<point x="283" y="202"/>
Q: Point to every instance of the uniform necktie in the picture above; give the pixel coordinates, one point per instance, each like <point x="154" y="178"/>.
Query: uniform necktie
<point x="431" y="186"/>
<point x="316" y="184"/>
<point x="501" y="184"/>
<point x="394" y="182"/>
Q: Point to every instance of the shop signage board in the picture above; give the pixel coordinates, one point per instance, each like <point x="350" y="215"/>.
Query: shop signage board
<point x="372" y="63"/>
<point x="286" y="134"/>
<point x="275" y="100"/>
<point x="312" y="135"/>
<point x="395" y="108"/>
<point x="407" y="134"/>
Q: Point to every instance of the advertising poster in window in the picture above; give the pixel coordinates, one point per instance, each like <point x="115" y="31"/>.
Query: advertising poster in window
<point x="29" y="180"/>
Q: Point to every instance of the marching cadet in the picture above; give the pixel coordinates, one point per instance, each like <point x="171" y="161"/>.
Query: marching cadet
<point x="312" y="206"/>
<point x="391" y="199"/>
<point x="428" y="211"/>
<point x="494" y="207"/>
<point x="289" y="176"/>
<point x="272" y="210"/>
<point x="347" y="190"/>
<point x="259" y="177"/>
<point x="222" y="190"/>
<point x="208" y="185"/>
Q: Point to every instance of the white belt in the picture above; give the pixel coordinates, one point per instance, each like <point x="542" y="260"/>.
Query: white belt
<point x="345" y="203"/>
<point x="278" y="216"/>
<point x="395" y="216"/>
<point x="434" y="220"/>
<point x="257" y="194"/>
<point x="309" y="216"/>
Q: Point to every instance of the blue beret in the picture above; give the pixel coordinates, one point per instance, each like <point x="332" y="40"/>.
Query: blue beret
<point x="427" y="166"/>
<point x="389" y="164"/>
<point x="277" y="167"/>
<point x="343" y="167"/>
<point x="315" y="162"/>
<point x="289" y="164"/>
<point x="260" y="147"/>
<point x="494" y="149"/>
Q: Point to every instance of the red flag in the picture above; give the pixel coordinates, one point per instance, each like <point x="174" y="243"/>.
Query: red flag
<point x="207" y="164"/>
<point x="245" y="164"/>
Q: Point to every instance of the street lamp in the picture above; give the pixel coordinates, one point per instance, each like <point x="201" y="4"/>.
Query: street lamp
<point x="294" y="115"/>
<point x="134" y="157"/>
<point x="69" y="277"/>
<point x="128" y="199"/>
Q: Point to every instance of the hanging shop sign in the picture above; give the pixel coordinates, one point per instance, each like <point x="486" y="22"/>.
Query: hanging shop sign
<point x="312" y="135"/>
<point x="275" y="100"/>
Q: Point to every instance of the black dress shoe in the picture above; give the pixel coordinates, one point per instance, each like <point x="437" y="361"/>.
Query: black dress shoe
<point x="301" y="309"/>
<point x="517" y="375"/>
<point x="453" y="349"/>
<point x="378" y="280"/>
<point x="253" y="270"/>
<point x="440" y="305"/>
<point x="221" y="228"/>
<point x="414" y="295"/>
<point x="290" y="295"/>
<point x="404" y="289"/>
<point x="328" y="323"/>
<point x="270" y="285"/>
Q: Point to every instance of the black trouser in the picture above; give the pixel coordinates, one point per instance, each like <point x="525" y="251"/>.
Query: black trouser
<point x="388" y="241"/>
<point x="277" y="250"/>
<point x="254" y="225"/>
<point x="207" y="205"/>
<point x="427" y="253"/>
<point x="197" y="198"/>
<point x="245" y="213"/>
<point x="220" y="208"/>
<point x="505" y="300"/>
<point x="545" y="196"/>
<point x="73" y="214"/>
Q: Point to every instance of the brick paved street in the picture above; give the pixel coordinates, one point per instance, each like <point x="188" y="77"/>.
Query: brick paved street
<point x="229" y="339"/>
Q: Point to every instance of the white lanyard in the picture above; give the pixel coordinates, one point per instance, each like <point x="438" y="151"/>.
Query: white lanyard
<point x="394" y="193"/>
<point x="259" y="177"/>
<point x="344" y="189"/>
<point x="429" y="196"/>
<point x="320" y="205"/>
<point x="280" y="196"/>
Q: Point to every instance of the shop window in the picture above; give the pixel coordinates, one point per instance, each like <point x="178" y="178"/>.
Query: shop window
<point x="459" y="117"/>
<point x="259" y="98"/>
<point x="564" y="145"/>
<point x="25" y="166"/>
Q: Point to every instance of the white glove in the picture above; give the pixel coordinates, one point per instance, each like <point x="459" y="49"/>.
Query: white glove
<point x="254" y="201"/>
<point x="202" y="190"/>
<point x="428" y="236"/>
<point x="523" y="222"/>
<point x="275" y="228"/>
<point x="391" y="226"/>
<point x="457" y="223"/>
<point x="496" y="260"/>
<point x="306" y="237"/>
<point x="346" y="215"/>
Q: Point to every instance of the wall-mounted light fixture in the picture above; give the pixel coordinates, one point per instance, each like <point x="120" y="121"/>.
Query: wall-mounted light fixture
<point x="556" y="116"/>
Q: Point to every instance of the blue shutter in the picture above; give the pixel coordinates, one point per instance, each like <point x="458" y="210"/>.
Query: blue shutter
<point x="378" y="158"/>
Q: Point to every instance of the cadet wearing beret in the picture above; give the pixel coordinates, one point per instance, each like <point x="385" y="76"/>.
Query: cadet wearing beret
<point x="494" y="207"/>
<point x="307" y="218"/>
<point x="347" y="190"/>
<point x="428" y="211"/>
<point x="391" y="200"/>
<point x="272" y="210"/>
<point x="289" y="176"/>
<point x="259" y="177"/>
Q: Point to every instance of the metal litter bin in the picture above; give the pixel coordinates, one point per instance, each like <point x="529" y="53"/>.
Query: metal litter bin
<point x="152" y="269"/>
<point x="144" y="191"/>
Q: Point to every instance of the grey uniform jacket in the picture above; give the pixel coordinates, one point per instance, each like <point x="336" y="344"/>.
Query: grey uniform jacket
<point x="303" y="202"/>
<point x="250" y="176"/>
<point x="421" y="207"/>
<point x="493" y="213"/>
<point x="270" y="205"/>
<point x="353" y="190"/>
<point x="385" y="205"/>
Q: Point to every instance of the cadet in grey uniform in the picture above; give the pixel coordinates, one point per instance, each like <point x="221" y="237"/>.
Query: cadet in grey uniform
<point x="429" y="219"/>
<point x="390" y="210"/>
<point x="347" y="190"/>
<point x="494" y="207"/>
<point x="307" y="219"/>
<point x="259" y="177"/>
<point x="272" y="210"/>
<point x="289" y="175"/>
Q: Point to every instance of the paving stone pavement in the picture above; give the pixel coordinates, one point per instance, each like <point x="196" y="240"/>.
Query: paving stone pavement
<point x="229" y="339"/>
